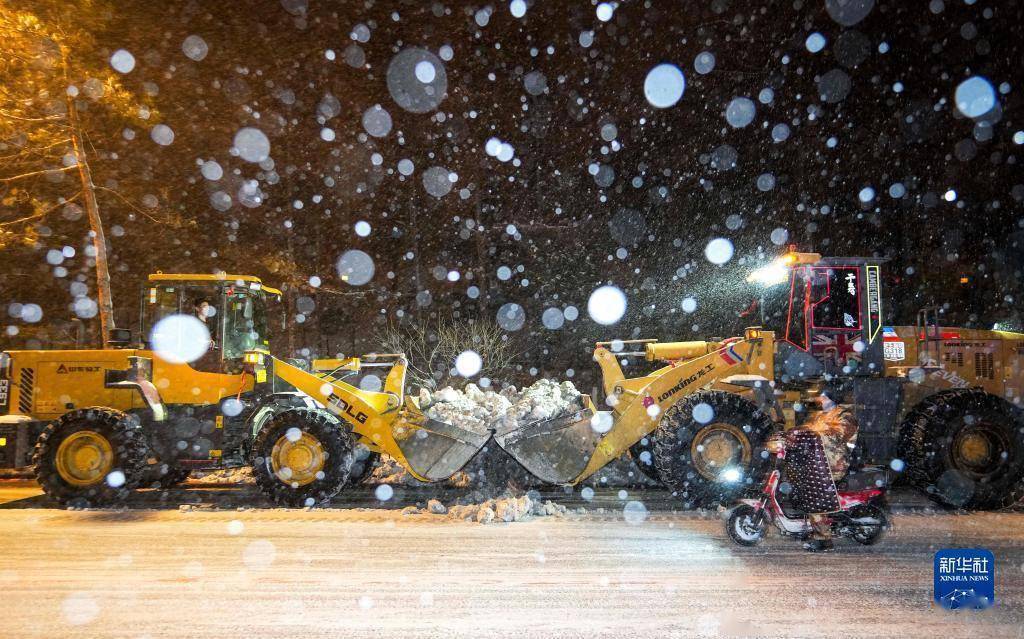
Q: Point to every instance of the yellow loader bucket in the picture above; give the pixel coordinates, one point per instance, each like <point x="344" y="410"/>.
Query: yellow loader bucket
<point x="434" y="449"/>
<point x="556" y="450"/>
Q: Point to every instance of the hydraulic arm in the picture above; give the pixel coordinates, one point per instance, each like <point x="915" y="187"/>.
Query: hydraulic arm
<point x="385" y="421"/>
<point x="569" y="449"/>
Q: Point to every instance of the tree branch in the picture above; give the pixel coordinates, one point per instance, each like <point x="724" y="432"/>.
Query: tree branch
<point x="129" y="203"/>
<point x="48" y="118"/>
<point x="41" y="213"/>
<point x="40" y="172"/>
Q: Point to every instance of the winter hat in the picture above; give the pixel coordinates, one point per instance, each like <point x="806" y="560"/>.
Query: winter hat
<point x="827" y="403"/>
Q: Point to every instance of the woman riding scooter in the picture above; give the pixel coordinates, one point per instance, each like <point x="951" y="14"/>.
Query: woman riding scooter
<point x="817" y="457"/>
<point x="861" y="516"/>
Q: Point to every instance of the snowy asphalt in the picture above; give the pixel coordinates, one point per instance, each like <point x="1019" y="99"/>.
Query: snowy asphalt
<point x="364" y="569"/>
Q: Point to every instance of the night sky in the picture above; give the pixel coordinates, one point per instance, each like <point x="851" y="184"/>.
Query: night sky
<point x="482" y="159"/>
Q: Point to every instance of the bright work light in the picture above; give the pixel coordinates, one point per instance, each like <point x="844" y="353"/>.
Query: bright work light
<point x="771" y="274"/>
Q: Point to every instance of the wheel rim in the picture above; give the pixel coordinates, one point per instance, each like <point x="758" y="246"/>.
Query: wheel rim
<point x="867" y="531"/>
<point x="718" y="447"/>
<point x="298" y="462"/>
<point x="84" y="458"/>
<point x="746" y="528"/>
<point x="978" y="450"/>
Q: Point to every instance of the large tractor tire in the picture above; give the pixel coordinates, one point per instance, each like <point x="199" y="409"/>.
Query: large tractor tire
<point x="709" y="447"/>
<point x="90" y="457"/>
<point x="164" y="476"/>
<point x="302" y="457"/>
<point x="642" y="454"/>
<point x="965" y="449"/>
<point x="365" y="462"/>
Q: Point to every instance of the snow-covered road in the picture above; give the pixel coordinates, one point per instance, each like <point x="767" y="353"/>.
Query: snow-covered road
<point x="353" y="571"/>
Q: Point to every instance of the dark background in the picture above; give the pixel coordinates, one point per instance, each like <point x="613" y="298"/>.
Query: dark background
<point x="675" y="185"/>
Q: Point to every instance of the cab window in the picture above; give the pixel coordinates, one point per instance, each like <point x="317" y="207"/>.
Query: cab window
<point x="796" y="319"/>
<point x="245" y="326"/>
<point x="162" y="301"/>
<point x="835" y="298"/>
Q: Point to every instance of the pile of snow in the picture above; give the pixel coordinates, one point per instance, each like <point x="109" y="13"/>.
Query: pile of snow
<point x="480" y="411"/>
<point x="542" y="401"/>
<point x="471" y="409"/>
<point x="389" y="471"/>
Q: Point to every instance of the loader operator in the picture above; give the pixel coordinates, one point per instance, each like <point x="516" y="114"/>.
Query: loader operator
<point x="817" y="456"/>
<point x="203" y="312"/>
<point x="203" y="309"/>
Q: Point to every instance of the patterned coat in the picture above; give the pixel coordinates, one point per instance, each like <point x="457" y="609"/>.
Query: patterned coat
<point x="816" y="456"/>
<point x="807" y="470"/>
<point x="838" y="431"/>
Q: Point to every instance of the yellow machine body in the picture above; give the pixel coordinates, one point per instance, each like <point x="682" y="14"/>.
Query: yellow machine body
<point x="386" y="421"/>
<point x="949" y="357"/>
<point x="40" y="386"/>
<point x="671" y="351"/>
<point x="920" y="393"/>
<point x="568" y="450"/>
<point x="47" y="384"/>
<point x="640" y="402"/>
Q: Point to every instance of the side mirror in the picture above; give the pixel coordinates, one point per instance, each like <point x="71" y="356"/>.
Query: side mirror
<point x="120" y="338"/>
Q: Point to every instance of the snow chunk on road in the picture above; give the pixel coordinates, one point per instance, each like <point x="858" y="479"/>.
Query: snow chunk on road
<point x="506" y="509"/>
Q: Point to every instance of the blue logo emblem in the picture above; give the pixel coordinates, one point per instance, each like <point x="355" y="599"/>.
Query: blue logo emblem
<point x="965" y="578"/>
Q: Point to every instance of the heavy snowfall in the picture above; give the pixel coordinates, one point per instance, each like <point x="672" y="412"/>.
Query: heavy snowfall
<point x="543" y="229"/>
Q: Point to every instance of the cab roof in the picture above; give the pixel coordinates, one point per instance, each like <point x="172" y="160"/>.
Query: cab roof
<point x="207" y="277"/>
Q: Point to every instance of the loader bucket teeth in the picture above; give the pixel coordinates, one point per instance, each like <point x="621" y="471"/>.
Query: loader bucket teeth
<point x="436" y="450"/>
<point x="555" y="450"/>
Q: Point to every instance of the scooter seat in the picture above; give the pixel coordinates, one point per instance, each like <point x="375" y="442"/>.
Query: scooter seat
<point x="865" y="478"/>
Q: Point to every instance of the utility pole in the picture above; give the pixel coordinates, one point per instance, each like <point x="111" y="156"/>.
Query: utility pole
<point x="92" y="209"/>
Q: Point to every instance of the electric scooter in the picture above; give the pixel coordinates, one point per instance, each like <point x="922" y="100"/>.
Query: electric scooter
<point x="863" y="516"/>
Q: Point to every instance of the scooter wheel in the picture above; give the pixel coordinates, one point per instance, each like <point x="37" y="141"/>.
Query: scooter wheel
<point x="868" y="534"/>
<point x="746" y="526"/>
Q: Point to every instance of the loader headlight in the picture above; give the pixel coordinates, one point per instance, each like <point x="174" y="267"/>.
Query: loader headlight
<point x="775" y="273"/>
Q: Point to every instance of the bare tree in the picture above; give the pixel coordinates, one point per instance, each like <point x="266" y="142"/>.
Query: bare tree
<point x="42" y="132"/>
<point x="432" y="346"/>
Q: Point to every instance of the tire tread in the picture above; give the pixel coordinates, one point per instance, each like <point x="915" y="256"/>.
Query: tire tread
<point x="130" y="449"/>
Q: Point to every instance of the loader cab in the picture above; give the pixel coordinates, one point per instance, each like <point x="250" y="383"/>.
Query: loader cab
<point x="234" y="310"/>
<point x="827" y="313"/>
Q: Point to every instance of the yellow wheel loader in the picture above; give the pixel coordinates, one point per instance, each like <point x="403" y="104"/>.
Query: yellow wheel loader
<point x="293" y="448"/>
<point x="97" y="423"/>
<point x="706" y="406"/>
<point x="939" y="406"/>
